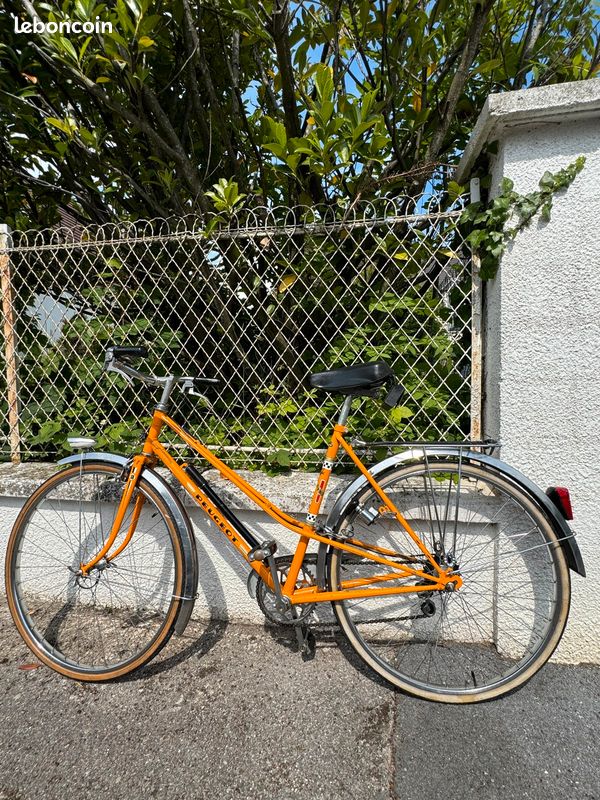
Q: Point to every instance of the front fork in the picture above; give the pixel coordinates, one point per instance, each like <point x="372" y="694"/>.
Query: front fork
<point x="135" y="471"/>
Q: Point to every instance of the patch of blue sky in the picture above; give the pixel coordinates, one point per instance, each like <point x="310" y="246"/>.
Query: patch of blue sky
<point x="313" y="56"/>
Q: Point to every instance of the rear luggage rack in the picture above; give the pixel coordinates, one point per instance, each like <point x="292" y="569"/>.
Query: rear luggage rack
<point x="487" y="446"/>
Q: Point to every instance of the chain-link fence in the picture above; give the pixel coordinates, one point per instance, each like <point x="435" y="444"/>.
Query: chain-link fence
<point x="259" y="301"/>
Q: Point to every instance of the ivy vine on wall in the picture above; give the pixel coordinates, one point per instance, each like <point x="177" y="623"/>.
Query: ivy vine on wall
<point x="490" y="228"/>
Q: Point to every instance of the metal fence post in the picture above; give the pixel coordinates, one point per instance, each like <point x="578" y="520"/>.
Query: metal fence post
<point x="10" y="346"/>
<point x="476" y="353"/>
<point x="476" y="335"/>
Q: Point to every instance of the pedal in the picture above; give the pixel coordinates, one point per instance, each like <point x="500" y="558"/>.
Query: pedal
<point x="307" y="644"/>
<point x="263" y="552"/>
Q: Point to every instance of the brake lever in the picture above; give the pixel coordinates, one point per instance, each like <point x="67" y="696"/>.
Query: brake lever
<point x="127" y="377"/>
<point x="189" y="387"/>
<point x="112" y="365"/>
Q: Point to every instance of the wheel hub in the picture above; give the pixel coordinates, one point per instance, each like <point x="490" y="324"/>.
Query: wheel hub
<point x="88" y="580"/>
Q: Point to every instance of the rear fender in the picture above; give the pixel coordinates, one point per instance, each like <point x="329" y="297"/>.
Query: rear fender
<point x="348" y="498"/>
<point x="182" y="521"/>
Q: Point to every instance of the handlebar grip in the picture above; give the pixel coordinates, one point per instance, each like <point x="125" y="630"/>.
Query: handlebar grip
<point x="132" y="352"/>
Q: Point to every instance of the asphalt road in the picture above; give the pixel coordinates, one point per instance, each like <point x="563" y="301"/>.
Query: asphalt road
<point x="229" y="711"/>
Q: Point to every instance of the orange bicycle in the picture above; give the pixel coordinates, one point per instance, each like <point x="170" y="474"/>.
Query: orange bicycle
<point x="448" y="571"/>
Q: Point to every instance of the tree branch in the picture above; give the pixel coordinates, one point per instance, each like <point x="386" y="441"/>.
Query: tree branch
<point x="471" y="45"/>
<point x="200" y="60"/>
<point x="270" y="98"/>
<point x="279" y="27"/>
<point x="534" y="28"/>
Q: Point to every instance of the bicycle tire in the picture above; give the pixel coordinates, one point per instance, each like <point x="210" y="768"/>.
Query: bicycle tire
<point x="65" y="618"/>
<point x="460" y="647"/>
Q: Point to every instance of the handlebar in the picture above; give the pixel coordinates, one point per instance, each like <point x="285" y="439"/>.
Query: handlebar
<point x="112" y="363"/>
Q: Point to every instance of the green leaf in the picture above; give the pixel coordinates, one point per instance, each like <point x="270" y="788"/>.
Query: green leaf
<point x="68" y="47"/>
<point x="475" y="238"/>
<point x="278" y="132"/>
<point x="47" y="432"/>
<point x="362" y="127"/>
<point x="226" y="195"/>
<point x="283" y="458"/>
<point x="455" y="190"/>
<point x="286" y="282"/>
<point x="401" y="413"/>
<point x="277" y="149"/>
<point x="488" y="66"/>
<point x="292" y="161"/>
<point x="324" y="82"/>
<point x="62" y="125"/>
<point x="84" y="47"/>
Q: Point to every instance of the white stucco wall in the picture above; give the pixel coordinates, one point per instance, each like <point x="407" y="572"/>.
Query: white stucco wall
<point x="542" y="352"/>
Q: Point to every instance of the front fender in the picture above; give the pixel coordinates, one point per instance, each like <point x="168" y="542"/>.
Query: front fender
<point x="347" y="498"/>
<point x="182" y="521"/>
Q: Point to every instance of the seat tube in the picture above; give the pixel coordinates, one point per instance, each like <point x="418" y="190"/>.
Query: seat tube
<point x="330" y="456"/>
<point x="345" y="411"/>
<point x="315" y="503"/>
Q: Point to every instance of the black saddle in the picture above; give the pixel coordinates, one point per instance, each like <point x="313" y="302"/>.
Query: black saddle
<point x="358" y="379"/>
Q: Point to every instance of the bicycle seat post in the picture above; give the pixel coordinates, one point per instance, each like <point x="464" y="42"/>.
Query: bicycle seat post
<point x="345" y="410"/>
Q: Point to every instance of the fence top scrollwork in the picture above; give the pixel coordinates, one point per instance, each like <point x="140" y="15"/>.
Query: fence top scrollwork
<point x="256" y="221"/>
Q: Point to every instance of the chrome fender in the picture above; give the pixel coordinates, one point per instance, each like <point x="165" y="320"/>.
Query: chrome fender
<point x="349" y="496"/>
<point x="182" y="521"/>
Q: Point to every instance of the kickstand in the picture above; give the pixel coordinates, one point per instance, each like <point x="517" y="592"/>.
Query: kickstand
<point x="305" y="638"/>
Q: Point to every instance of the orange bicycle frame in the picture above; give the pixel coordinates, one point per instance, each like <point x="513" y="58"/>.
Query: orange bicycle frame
<point x="154" y="451"/>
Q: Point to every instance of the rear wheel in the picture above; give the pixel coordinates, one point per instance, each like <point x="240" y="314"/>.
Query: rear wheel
<point x="483" y="640"/>
<point x="113" y="620"/>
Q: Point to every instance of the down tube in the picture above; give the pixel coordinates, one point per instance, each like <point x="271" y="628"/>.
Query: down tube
<point x="223" y="521"/>
<point x="214" y="498"/>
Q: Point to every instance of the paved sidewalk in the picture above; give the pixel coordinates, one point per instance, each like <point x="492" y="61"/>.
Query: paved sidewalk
<point x="230" y="711"/>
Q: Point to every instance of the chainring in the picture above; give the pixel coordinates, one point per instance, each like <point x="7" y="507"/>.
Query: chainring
<point x="266" y="598"/>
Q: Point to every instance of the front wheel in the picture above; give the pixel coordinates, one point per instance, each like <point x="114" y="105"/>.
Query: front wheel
<point x="111" y="621"/>
<point x="494" y="633"/>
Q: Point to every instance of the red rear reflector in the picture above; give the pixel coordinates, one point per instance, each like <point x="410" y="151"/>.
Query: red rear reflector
<point x="562" y="500"/>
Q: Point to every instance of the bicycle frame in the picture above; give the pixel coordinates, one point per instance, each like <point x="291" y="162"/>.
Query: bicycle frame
<point x="154" y="451"/>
